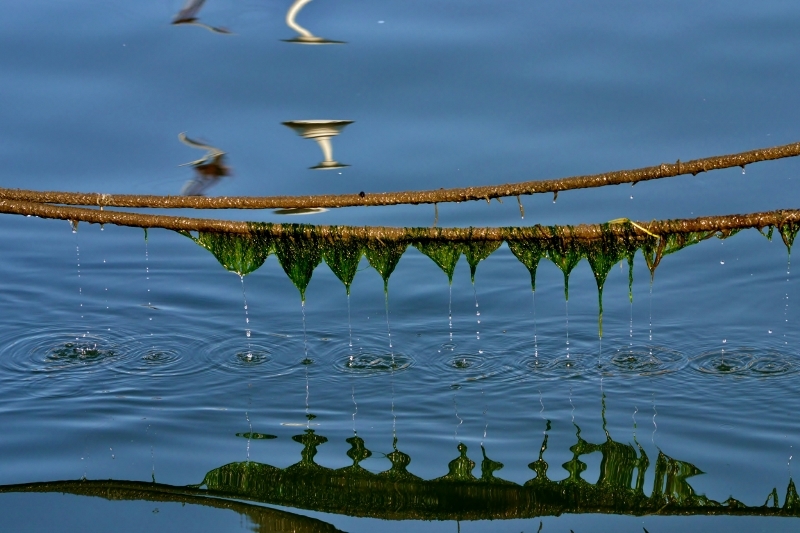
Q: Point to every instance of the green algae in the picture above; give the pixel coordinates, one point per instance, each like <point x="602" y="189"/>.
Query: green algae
<point x="566" y="254"/>
<point x="603" y="254"/>
<point x="238" y="253"/>
<point x="343" y="255"/>
<point x="444" y="254"/>
<point x="301" y="248"/>
<point x="383" y="256"/>
<point x="477" y="251"/>
<point x="788" y="233"/>
<point x="529" y="252"/>
<point x="654" y="249"/>
<point x="299" y="253"/>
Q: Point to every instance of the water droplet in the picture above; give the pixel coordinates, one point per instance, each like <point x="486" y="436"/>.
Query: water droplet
<point x="722" y="262"/>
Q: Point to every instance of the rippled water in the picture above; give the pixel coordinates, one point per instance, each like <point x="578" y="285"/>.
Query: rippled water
<point x="127" y="360"/>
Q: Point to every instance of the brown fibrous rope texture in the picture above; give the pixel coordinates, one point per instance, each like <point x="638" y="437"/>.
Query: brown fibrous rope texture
<point x="725" y="223"/>
<point x="464" y="194"/>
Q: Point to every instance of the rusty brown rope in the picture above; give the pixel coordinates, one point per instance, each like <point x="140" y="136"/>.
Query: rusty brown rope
<point x="725" y="223"/>
<point x="464" y="194"/>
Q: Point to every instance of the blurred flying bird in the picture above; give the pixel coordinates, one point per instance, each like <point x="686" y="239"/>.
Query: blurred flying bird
<point x="208" y="169"/>
<point x="188" y="15"/>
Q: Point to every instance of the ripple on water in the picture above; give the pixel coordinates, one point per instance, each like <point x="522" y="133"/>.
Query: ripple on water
<point x="51" y="350"/>
<point x="473" y="366"/>
<point x="643" y="361"/>
<point x="266" y="354"/>
<point x="548" y="366"/>
<point x="373" y="363"/>
<point x="160" y="355"/>
<point x="745" y="362"/>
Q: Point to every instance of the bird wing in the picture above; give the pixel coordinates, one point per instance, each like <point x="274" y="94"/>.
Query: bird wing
<point x="212" y="151"/>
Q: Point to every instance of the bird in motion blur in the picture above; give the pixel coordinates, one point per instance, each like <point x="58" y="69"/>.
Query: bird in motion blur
<point x="188" y="15"/>
<point x="209" y="169"/>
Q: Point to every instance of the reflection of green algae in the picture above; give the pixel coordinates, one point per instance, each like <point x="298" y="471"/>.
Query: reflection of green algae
<point x="444" y="254"/>
<point x="343" y="255"/>
<point x="529" y="252"/>
<point x="237" y="253"/>
<point x="460" y="468"/>
<point x="383" y="256"/>
<point x="299" y="254"/>
<point x="477" y="251"/>
<point x="398" y="494"/>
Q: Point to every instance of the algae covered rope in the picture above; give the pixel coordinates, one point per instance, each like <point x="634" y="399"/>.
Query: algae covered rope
<point x="787" y="220"/>
<point x="463" y="194"/>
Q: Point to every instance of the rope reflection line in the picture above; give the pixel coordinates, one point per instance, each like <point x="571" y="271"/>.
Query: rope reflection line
<point x="464" y="194"/>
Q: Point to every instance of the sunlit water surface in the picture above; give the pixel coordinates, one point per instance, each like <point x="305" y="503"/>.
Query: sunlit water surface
<point x="127" y="358"/>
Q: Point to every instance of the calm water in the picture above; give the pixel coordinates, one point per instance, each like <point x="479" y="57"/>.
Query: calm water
<point x="127" y="359"/>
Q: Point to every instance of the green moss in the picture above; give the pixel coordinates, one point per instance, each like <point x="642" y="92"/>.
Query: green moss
<point x="566" y="254"/>
<point x="654" y="249"/>
<point x="343" y="255"/>
<point x="606" y="252"/>
<point x="788" y="233"/>
<point x="299" y="254"/>
<point x="383" y="256"/>
<point x="237" y="253"/>
<point x="477" y="251"/>
<point x="529" y="252"/>
<point x="444" y="254"/>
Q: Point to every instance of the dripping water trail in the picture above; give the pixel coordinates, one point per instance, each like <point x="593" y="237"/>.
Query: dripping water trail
<point x="786" y="306"/>
<point x="650" y="337"/>
<point x="655" y="426"/>
<point x="485" y="418"/>
<point x="349" y="323"/>
<point x="450" y="311"/>
<point x="392" y="368"/>
<point x="630" y="329"/>
<point x="147" y="284"/>
<point x="355" y="407"/>
<point x="477" y="315"/>
<point x="305" y="336"/>
<point x="535" y="339"/>
<point x="460" y="420"/>
<point x="249" y="354"/>
<point x="78" y="262"/>
<point x="249" y="423"/>
<point x="388" y="327"/>
<point x="566" y="306"/>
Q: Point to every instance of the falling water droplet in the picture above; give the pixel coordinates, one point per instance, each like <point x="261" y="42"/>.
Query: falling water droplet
<point x="349" y="322"/>
<point x="566" y="307"/>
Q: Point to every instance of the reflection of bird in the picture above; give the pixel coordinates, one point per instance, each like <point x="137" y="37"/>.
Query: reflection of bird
<point x="304" y="36"/>
<point x="188" y="15"/>
<point x="208" y="169"/>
